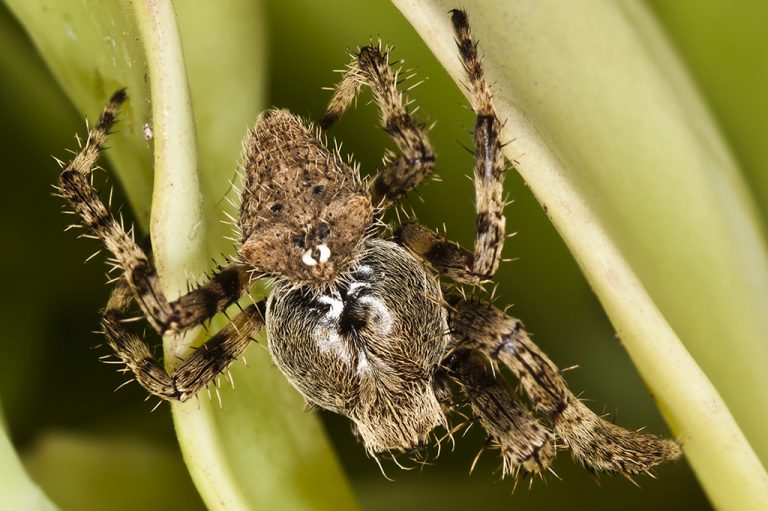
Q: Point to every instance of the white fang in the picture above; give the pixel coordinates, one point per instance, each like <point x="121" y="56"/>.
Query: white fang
<point x="308" y="259"/>
<point x="325" y="252"/>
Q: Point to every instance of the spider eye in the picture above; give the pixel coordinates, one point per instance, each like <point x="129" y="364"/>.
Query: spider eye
<point x="276" y="207"/>
<point x="298" y="240"/>
<point x="318" y="189"/>
<point x="323" y="231"/>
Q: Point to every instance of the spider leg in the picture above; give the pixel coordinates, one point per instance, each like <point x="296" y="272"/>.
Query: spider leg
<point x="489" y="161"/>
<point x="166" y="316"/>
<point x="593" y="441"/>
<point x="370" y="66"/>
<point x="209" y="360"/>
<point x="445" y="256"/>
<point x="523" y="441"/>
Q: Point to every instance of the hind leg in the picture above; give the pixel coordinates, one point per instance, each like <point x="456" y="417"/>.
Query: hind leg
<point x="595" y="442"/>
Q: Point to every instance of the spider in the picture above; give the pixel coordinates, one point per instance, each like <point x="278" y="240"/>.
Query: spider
<point x="359" y="323"/>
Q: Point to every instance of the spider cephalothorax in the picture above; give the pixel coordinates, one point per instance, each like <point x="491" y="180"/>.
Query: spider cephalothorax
<point x="304" y="211"/>
<point x="361" y="325"/>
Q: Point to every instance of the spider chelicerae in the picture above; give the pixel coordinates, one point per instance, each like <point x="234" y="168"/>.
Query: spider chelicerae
<point x="360" y="324"/>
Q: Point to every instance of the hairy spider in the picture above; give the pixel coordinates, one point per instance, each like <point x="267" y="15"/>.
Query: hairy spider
<point x="360" y="325"/>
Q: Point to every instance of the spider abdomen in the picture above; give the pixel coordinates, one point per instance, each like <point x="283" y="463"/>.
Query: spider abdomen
<point x="366" y="347"/>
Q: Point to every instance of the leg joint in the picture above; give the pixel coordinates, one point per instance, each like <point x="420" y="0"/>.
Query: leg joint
<point x="508" y="341"/>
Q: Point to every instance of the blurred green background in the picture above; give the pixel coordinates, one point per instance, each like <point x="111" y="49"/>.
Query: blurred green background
<point x="58" y="399"/>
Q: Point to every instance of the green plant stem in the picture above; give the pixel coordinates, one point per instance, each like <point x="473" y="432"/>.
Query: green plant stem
<point x="178" y="228"/>
<point x="178" y="224"/>
<point x="575" y="122"/>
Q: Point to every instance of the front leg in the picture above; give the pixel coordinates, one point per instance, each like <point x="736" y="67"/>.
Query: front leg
<point x="448" y="258"/>
<point x="205" y="365"/>
<point x="489" y="162"/>
<point x="594" y="441"/>
<point x="167" y="317"/>
<point x="445" y="256"/>
<point x="401" y="173"/>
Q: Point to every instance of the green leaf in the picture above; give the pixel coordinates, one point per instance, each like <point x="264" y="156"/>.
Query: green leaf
<point x="92" y="49"/>
<point x="17" y="491"/>
<point x="127" y="477"/>
<point x="614" y="141"/>
<point x="732" y="36"/>
<point x="260" y="450"/>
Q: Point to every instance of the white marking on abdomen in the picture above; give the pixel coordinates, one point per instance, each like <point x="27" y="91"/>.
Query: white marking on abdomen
<point x="325" y="333"/>
<point x="336" y="307"/>
<point x="354" y="286"/>
<point x="328" y="340"/>
<point x="379" y="306"/>
<point x="362" y="363"/>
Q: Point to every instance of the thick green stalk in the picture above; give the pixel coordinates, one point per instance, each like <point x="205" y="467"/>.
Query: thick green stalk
<point x="177" y="224"/>
<point x="615" y="143"/>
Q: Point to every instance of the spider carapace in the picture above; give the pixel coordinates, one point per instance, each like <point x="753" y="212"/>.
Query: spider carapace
<point x="360" y="323"/>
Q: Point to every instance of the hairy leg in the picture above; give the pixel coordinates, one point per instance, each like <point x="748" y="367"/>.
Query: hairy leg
<point x="592" y="440"/>
<point x="445" y="256"/>
<point x="523" y="441"/>
<point x="489" y="162"/>
<point x="370" y="66"/>
<point x="167" y="317"/>
<point x="205" y="365"/>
